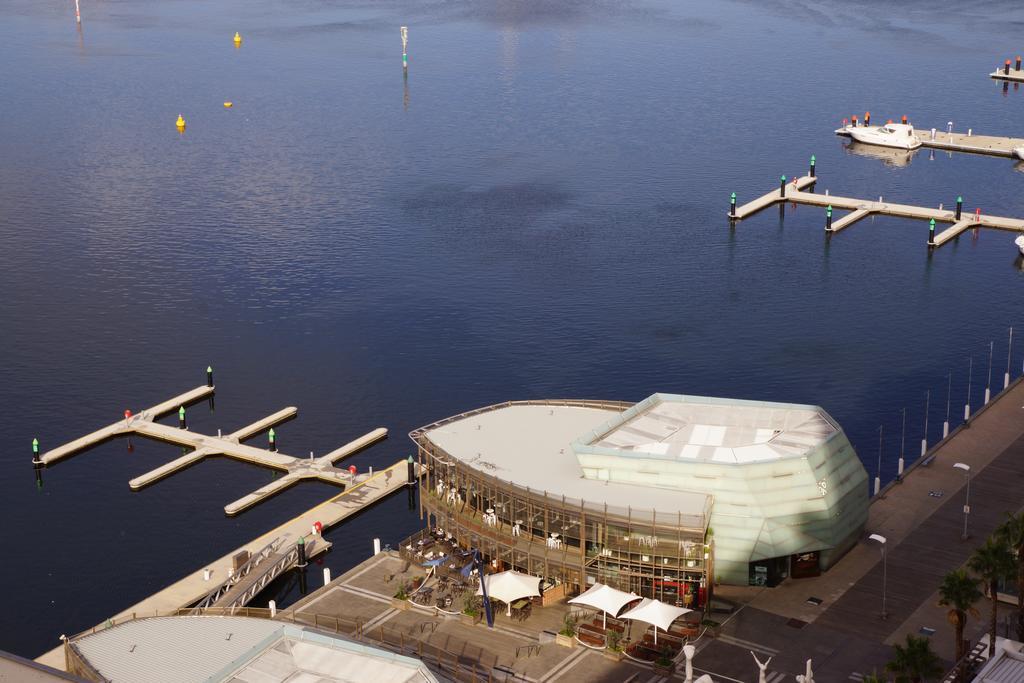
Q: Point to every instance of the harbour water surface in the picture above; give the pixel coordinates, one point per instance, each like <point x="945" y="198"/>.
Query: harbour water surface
<point x="536" y="211"/>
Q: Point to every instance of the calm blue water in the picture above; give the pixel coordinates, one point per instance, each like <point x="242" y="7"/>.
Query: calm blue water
<point x="538" y="211"/>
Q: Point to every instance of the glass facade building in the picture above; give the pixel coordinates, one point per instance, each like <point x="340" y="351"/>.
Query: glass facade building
<point x="656" y="498"/>
<point x="554" y="531"/>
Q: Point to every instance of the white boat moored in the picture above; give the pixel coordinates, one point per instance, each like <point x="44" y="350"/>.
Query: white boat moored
<point x="898" y="135"/>
<point x="1020" y="244"/>
<point x="1018" y="152"/>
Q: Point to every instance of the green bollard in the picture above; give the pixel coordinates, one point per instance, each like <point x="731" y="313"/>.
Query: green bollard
<point x="828" y="218"/>
<point x="812" y="165"/>
<point x="732" y="205"/>
<point x="782" y="186"/>
<point x="35" y="452"/>
<point x="181" y="417"/>
<point x="931" y="233"/>
<point x="209" y="376"/>
<point x="273" y="440"/>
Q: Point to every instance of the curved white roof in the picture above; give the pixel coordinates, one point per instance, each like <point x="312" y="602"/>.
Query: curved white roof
<point x="530" y="445"/>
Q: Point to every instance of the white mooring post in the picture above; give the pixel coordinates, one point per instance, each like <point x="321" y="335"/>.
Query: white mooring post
<point x="376" y="546"/>
<point x="273" y="608"/>
<point x="327" y="575"/>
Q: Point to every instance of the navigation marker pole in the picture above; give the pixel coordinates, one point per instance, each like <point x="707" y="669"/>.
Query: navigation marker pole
<point x="405" y="45"/>
<point x="78" y="13"/>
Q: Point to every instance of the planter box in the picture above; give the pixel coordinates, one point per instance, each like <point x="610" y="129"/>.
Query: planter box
<point x="467" y="619"/>
<point x="402" y="605"/>
<point x="614" y="655"/>
<point x="565" y="641"/>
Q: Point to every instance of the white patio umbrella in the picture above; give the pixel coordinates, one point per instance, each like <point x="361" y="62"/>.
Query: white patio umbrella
<point x="656" y="613"/>
<point x="605" y="598"/>
<point x="509" y="586"/>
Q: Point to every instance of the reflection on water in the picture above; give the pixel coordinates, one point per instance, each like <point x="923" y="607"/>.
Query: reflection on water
<point x="548" y="220"/>
<point x="890" y="156"/>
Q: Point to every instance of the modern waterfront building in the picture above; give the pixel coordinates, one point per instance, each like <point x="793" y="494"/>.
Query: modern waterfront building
<point x="210" y="649"/>
<point x="654" y="497"/>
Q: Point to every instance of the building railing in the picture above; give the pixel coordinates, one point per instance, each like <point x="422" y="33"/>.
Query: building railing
<point x="695" y="524"/>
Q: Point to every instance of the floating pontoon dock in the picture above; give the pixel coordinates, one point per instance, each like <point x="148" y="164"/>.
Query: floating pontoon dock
<point x="861" y="208"/>
<point x="296" y="469"/>
<point x="224" y="582"/>
<point x="1006" y="73"/>
<point x="963" y="142"/>
<point x="235" y="579"/>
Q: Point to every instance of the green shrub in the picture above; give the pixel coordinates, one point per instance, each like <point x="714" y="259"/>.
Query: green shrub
<point x="568" y="626"/>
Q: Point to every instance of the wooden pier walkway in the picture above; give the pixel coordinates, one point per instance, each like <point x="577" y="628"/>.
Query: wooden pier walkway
<point x="296" y="469"/>
<point x="962" y="142"/>
<point x="861" y="208"/>
<point x="194" y="587"/>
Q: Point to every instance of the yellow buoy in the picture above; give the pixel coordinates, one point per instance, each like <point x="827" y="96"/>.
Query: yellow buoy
<point x="228" y="105"/>
<point x="238" y="39"/>
<point x="180" y="123"/>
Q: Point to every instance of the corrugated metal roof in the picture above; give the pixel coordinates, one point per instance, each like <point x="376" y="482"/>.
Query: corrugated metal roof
<point x="1004" y="667"/>
<point x="240" y="650"/>
<point x="173" y="649"/>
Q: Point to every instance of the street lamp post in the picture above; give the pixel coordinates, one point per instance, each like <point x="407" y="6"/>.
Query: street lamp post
<point x="988" y="387"/>
<point x="967" y="500"/>
<point x="881" y="541"/>
<point x="1009" y="355"/>
<point x="924" y="439"/>
<point x="903" y="442"/>
<point x="970" y="376"/>
<point x="949" y="398"/>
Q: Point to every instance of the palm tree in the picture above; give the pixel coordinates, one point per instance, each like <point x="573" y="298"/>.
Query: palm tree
<point x="993" y="562"/>
<point x="959" y="591"/>
<point x="1012" y="533"/>
<point x="914" y="662"/>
